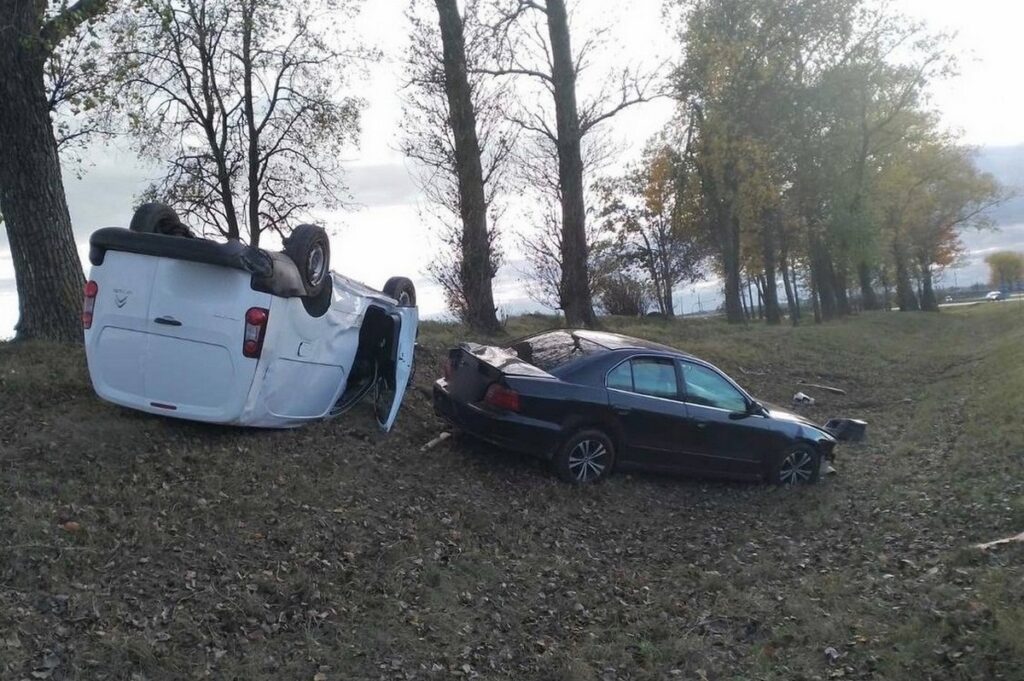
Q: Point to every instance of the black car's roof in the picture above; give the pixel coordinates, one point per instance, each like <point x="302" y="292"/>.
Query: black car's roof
<point x="617" y="341"/>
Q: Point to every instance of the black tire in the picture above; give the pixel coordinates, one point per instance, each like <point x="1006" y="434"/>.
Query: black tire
<point x="402" y="290"/>
<point x="158" y="218"/>
<point x="318" y="305"/>
<point x="310" y="250"/>
<point x="797" y="465"/>
<point x="586" y="457"/>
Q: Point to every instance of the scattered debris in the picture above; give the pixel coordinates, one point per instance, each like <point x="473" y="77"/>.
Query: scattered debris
<point x="1017" y="538"/>
<point x="436" y="441"/>
<point x="826" y="388"/>
<point x="803" y="398"/>
<point x="750" y="372"/>
<point x="832" y="655"/>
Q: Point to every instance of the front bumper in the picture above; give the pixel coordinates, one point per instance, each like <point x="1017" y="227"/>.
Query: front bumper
<point x="504" y="429"/>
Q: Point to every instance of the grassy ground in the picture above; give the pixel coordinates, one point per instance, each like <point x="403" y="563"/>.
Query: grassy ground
<point x="136" y="547"/>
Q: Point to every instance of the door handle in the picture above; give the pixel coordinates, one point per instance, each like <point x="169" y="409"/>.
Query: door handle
<point x="702" y="425"/>
<point x="167" y="321"/>
<point x="623" y="411"/>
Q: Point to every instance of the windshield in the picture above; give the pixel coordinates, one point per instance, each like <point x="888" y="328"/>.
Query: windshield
<point x="554" y="349"/>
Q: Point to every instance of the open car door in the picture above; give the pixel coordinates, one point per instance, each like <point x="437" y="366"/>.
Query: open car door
<point x="398" y="372"/>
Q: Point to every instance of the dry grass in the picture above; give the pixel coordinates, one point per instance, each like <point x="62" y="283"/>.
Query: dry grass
<point x="139" y="547"/>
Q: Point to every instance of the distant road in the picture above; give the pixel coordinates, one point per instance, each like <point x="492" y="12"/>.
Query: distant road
<point x="978" y="301"/>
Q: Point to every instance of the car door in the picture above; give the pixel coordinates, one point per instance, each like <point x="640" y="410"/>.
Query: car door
<point x="720" y="436"/>
<point x="407" y="320"/>
<point x="645" y="394"/>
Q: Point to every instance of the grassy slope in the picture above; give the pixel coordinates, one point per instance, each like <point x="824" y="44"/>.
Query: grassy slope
<point x="204" y="551"/>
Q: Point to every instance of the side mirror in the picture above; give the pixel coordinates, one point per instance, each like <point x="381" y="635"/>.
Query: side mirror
<point x="753" y="409"/>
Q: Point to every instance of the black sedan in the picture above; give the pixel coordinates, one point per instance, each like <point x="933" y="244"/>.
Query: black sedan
<point x="591" y="402"/>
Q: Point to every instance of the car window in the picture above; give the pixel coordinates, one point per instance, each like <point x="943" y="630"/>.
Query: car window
<point x="621" y="377"/>
<point x="553" y="349"/>
<point x="646" y="376"/>
<point x="707" y="388"/>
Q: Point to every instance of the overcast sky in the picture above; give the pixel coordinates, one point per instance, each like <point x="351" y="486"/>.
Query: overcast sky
<point x="385" y="236"/>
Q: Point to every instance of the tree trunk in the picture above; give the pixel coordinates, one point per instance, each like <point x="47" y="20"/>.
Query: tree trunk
<point x="796" y="293"/>
<point x="576" y="299"/>
<point x="47" y="270"/>
<point x="253" y="151"/>
<point x="476" y="271"/>
<point x="791" y="304"/>
<point x="929" y="303"/>
<point x="772" y="313"/>
<point x="868" y="297"/>
<point x="823" y="281"/>
<point x="668" y="306"/>
<point x="905" y="296"/>
<point x="839" y="279"/>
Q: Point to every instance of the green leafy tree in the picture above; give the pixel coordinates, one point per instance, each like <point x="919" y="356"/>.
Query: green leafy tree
<point x="1006" y="269"/>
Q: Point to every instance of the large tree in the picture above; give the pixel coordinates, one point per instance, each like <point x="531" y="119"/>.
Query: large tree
<point x="47" y="270"/>
<point x="455" y="130"/>
<point x="243" y="102"/>
<point x="543" y="51"/>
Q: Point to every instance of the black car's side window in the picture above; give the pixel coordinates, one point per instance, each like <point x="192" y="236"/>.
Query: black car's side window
<point x="646" y="376"/>
<point x="707" y="388"/>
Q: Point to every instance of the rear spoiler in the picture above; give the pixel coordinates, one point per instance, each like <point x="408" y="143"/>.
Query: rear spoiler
<point x="272" y="273"/>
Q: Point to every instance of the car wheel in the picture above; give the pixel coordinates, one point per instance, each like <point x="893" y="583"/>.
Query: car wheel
<point x="158" y="218"/>
<point x="310" y="250"/>
<point x="798" y="465"/>
<point x="586" y="457"/>
<point x="402" y="290"/>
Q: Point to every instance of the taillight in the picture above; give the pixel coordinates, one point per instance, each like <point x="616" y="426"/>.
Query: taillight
<point x="448" y="368"/>
<point x="92" y="289"/>
<point x="255" y="331"/>
<point x="502" y="398"/>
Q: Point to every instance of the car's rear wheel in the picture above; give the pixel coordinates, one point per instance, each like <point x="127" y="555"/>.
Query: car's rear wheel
<point x="799" y="465"/>
<point x="585" y="457"/>
<point x="310" y="250"/>
<point x="402" y="290"/>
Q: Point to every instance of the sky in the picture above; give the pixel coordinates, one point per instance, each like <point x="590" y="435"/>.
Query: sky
<point x="385" y="233"/>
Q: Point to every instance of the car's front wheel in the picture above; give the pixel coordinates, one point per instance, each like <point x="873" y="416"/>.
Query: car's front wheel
<point x="586" y="457"/>
<point x="799" y="465"/>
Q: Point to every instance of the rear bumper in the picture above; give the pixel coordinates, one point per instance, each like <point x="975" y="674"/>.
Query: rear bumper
<point x="506" y="430"/>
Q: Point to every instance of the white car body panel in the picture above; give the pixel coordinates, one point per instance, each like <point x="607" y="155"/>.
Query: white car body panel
<point x="190" y="364"/>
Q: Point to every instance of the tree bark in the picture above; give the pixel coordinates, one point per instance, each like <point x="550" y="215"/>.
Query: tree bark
<point x="929" y="303"/>
<point x="47" y="270"/>
<point x="905" y="296"/>
<point x="576" y="297"/>
<point x="823" y="280"/>
<point x="476" y="272"/>
<point x="840" y="288"/>
<point x="253" y="151"/>
<point x="772" y="313"/>
<point x="791" y="306"/>
<point x="868" y="297"/>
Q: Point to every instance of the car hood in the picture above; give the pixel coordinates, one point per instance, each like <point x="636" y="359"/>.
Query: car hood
<point x="778" y="413"/>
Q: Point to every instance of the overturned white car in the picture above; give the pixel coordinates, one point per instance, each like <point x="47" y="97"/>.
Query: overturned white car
<point x="227" y="333"/>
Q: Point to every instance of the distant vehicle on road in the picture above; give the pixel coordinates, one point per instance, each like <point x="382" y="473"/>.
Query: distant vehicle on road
<point x="591" y="402"/>
<point x="995" y="295"/>
<point x="226" y="333"/>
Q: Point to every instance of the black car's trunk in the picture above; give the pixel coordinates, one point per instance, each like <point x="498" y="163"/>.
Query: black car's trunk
<point x="473" y="368"/>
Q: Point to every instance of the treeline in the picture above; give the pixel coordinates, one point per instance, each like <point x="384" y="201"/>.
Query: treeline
<point x="804" y="157"/>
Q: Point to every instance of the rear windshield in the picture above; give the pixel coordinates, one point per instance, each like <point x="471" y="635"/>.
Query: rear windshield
<point x="554" y="349"/>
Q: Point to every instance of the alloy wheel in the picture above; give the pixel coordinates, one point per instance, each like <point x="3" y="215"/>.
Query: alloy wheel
<point x="587" y="460"/>
<point x="796" y="468"/>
